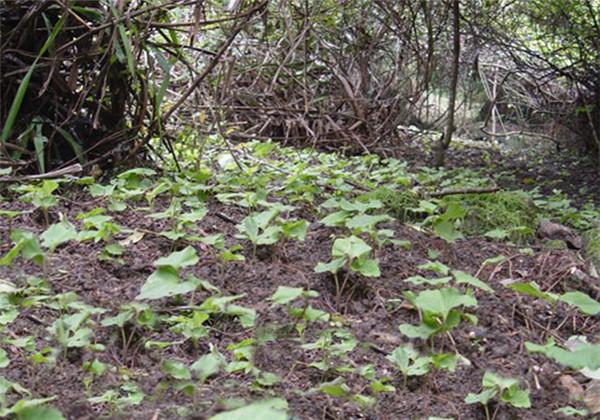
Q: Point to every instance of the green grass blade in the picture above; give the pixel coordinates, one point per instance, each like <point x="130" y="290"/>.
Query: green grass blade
<point x="18" y="100"/>
<point x="77" y="149"/>
<point x="38" y="141"/>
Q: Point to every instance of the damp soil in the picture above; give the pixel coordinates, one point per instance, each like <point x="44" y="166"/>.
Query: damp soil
<point x="372" y="310"/>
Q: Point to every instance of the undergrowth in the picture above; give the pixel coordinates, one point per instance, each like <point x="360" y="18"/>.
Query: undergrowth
<point x="295" y="254"/>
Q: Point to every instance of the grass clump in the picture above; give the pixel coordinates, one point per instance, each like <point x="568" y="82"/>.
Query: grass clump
<point x="592" y="246"/>
<point x="511" y="214"/>
<point x="395" y="202"/>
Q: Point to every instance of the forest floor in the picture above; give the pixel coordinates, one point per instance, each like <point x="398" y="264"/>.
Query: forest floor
<point x="84" y="331"/>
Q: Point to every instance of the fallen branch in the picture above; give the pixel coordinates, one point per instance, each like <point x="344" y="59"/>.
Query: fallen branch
<point x="69" y="170"/>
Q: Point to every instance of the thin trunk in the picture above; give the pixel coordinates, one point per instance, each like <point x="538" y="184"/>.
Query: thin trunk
<point x="444" y="142"/>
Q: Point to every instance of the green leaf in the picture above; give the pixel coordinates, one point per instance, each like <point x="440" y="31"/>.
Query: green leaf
<point x="246" y="316"/>
<point x="193" y="216"/>
<point x="421" y="331"/>
<point x="270" y="236"/>
<point x="420" y="280"/>
<point x="351" y="247"/>
<point x="454" y="211"/>
<point x="310" y="314"/>
<point x="366" y="267"/>
<point x="27" y="245"/>
<point x="462" y="277"/>
<point x="296" y="229"/>
<point x="572" y="411"/>
<point x="446" y="231"/>
<point x="585" y="355"/>
<point x="533" y="290"/>
<point x="284" y="295"/>
<point x="272" y="409"/>
<point x="165" y="282"/>
<point x="442" y="301"/>
<point x="4" y="359"/>
<point x="118" y="320"/>
<point x="436" y="267"/>
<point x="446" y="361"/>
<point x="490" y="379"/>
<point x="583" y="302"/>
<point x="381" y="386"/>
<point x="58" y="234"/>
<point x="335" y="388"/>
<point x="409" y="362"/>
<point x="176" y="369"/>
<point x="337" y="218"/>
<point x="331" y="267"/>
<point x="483" y="398"/>
<point x="495" y="260"/>
<point x="208" y="365"/>
<point x="40" y="412"/>
<point x="249" y="227"/>
<point x="517" y="398"/>
<point x="183" y="258"/>
<point x="497" y="234"/>
<point x="366" y="221"/>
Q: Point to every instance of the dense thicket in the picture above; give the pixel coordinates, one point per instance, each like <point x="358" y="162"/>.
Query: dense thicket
<point x="96" y="80"/>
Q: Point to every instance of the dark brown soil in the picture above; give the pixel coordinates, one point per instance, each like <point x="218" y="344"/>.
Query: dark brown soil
<point x="373" y="309"/>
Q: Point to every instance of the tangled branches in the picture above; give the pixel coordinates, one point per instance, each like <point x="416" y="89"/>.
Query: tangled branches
<point x="81" y="80"/>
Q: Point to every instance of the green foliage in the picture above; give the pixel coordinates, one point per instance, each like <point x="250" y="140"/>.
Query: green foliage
<point x="505" y="389"/>
<point x="165" y="280"/>
<point x="440" y="313"/>
<point x="504" y="214"/>
<point x="397" y="203"/>
<point x="583" y="355"/>
<point x="408" y="361"/>
<point x="275" y="409"/>
<point x="351" y="253"/>
<point x="580" y="300"/>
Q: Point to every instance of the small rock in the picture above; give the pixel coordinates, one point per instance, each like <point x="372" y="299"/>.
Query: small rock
<point x="555" y="231"/>
<point x="477" y="332"/>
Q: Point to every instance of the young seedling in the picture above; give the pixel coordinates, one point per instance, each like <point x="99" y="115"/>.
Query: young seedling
<point x="267" y="228"/>
<point x="41" y="196"/>
<point x="223" y="254"/>
<point x="409" y="362"/>
<point x="334" y="345"/>
<point x="505" y="389"/>
<point x="285" y="296"/>
<point x="352" y="254"/>
<point x="439" y="312"/>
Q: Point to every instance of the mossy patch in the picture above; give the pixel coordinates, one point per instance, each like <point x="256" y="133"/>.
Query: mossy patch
<point x="510" y="211"/>
<point x="556" y="244"/>
<point x="592" y="246"/>
<point x="396" y="202"/>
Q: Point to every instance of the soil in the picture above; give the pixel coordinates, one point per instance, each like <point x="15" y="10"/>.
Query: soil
<point x="373" y="309"/>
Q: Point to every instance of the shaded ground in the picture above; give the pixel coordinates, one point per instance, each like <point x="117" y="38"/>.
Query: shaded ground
<point x="572" y="172"/>
<point x="373" y="310"/>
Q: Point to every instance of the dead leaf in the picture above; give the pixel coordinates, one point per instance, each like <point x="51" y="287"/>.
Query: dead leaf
<point x="570" y="384"/>
<point x="592" y="397"/>
<point x="134" y="238"/>
<point x="385" y="338"/>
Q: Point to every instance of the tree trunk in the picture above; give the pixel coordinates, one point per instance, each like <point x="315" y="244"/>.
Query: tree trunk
<point x="445" y="140"/>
